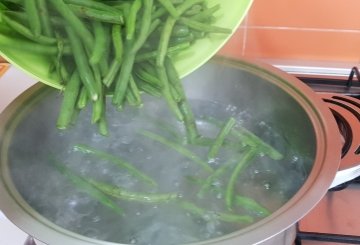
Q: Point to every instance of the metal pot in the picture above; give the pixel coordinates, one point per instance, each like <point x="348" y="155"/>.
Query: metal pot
<point x="269" y="95"/>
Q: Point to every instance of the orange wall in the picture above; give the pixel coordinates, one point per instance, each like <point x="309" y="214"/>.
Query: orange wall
<point x="316" y="30"/>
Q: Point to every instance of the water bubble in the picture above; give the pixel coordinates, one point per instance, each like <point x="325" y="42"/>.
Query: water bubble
<point x="125" y="140"/>
<point x="294" y="159"/>
<point x="267" y="186"/>
<point x="216" y="183"/>
<point x="138" y="213"/>
<point x="96" y="219"/>
<point x="262" y="124"/>
<point x="219" y="196"/>
<point x="133" y="240"/>
<point x="91" y="232"/>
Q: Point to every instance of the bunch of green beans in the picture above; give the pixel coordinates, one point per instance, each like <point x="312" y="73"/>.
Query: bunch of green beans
<point x="118" y="48"/>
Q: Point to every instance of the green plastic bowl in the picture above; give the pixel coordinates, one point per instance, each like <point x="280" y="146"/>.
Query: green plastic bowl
<point x="229" y="16"/>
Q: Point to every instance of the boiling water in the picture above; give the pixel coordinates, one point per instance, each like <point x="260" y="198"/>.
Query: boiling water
<point x="37" y="142"/>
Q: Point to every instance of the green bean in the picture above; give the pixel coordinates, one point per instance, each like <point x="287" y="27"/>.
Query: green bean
<point x="144" y="26"/>
<point x="153" y="54"/>
<point x="102" y="122"/>
<point x="160" y="12"/>
<point x="117" y="61"/>
<point x="203" y="15"/>
<point x="69" y="101"/>
<point x="131" y="19"/>
<point x="135" y="91"/>
<point x="168" y="27"/>
<point x="24" y="31"/>
<point x="195" y="9"/>
<point x="122" y="80"/>
<point x="125" y="70"/>
<point x="219" y="140"/>
<point x="192" y="133"/>
<point x="31" y="10"/>
<point x="197" y="25"/>
<point x="83" y="98"/>
<point x="97" y="15"/>
<point x="175" y="94"/>
<point x="242" y="164"/>
<point x="113" y="70"/>
<point x="100" y="43"/>
<point x="74" y="22"/>
<point x="167" y="93"/>
<point x="164" y="40"/>
<point x="116" y="160"/>
<point x="210" y="179"/>
<point x="251" y="205"/>
<point x="94" y="5"/>
<point x="121" y="193"/>
<point x="186" y="39"/>
<point x="149" y="89"/>
<point x="250" y="139"/>
<point x="98" y="105"/>
<point x="37" y="48"/>
<point x="167" y="4"/>
<point x="45" y="18"/>
<point x="130" y="98"/>
<point x="81" y="61"/>
<point x="148" y="77"/>
<point x="84" y="185"/>
<point x="180" y="30"/>
<point x="226" y="217"/>
<point x="179" y="148"/>
<point x="117" y="42"/>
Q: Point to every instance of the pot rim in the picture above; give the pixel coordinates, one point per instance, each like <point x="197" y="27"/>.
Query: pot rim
<point x="326" y="163"/>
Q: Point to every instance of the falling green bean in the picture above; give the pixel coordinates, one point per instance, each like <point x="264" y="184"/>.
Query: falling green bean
<point x="69" y="101"/>
<point x="81" y="61"/>
<point x="219" y="140"/>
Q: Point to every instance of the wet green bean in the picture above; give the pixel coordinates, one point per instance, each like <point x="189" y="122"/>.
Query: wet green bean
<point x="219" y="140"/>
<point x="116" y="160"/>
<point x="84" y="185"/>
<point x="179" y="148"/>
<point x="241" y="165"/>
<point x="121" y="193"/>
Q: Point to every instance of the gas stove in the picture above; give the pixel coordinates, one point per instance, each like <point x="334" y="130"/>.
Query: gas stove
<point x="334" y="219"/>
